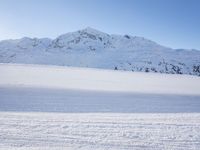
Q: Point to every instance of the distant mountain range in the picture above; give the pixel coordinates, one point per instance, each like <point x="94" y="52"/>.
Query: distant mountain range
<point x="92" y="48"/>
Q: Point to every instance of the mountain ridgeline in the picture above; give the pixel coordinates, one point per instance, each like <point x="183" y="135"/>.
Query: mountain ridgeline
<point x="95" y="49"/>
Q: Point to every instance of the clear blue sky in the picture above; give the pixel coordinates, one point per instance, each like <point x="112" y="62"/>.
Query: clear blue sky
<point x="173" y="23"/>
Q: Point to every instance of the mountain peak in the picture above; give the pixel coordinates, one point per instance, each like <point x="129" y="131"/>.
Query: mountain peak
<point x="92" y="48"/>
<point x="91" y="30"/>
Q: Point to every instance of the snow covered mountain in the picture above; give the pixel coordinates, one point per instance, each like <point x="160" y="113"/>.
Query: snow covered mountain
<point x="95" y="49"/>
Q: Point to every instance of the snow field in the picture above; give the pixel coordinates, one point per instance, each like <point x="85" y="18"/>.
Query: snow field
<point x="99" y="131"/>
<point x="97" y="79"/>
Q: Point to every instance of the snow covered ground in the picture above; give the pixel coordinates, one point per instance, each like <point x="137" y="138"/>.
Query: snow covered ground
<point x="99" y="131"/>
<point x="73" y="101"/>
<point x="49" y="107"/>
<point x="97" y="79"/>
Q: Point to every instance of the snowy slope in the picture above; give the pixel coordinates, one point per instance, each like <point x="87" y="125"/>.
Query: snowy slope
<point x="97" y="79"/>
<point x="95" y="49"/>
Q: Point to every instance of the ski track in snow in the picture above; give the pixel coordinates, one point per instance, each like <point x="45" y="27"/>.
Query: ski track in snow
<point x="99" y="131"/>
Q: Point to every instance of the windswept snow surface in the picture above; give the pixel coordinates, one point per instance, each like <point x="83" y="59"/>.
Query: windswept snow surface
<point x="99" y="131"/>
<point x="49" y="107"/>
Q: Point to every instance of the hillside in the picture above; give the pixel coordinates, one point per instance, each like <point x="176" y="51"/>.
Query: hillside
<point x="95" y="49"/>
